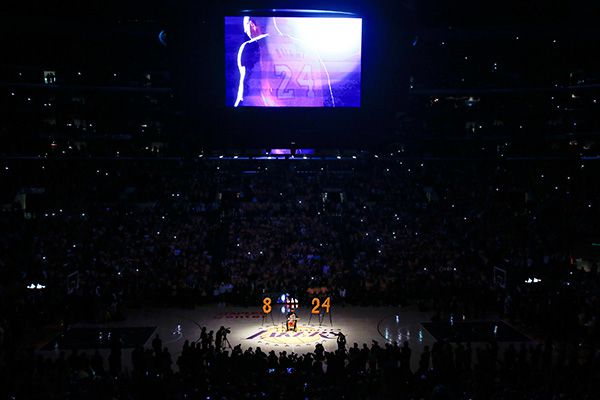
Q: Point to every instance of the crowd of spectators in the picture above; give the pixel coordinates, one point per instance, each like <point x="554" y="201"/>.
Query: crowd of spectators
<point x="206" y="371"/>
<point x="102" y="237"/>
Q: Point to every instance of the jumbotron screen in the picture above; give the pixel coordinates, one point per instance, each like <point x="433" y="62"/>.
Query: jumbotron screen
<point x="293" y="61"/>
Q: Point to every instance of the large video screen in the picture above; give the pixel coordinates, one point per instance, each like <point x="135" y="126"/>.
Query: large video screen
<point x="293" y="61"/>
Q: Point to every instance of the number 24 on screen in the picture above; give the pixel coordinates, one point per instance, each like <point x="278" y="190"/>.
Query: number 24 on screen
<point x="317" y="304"/>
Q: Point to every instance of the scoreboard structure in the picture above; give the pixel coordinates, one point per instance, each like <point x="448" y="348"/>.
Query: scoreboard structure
<point x="268" y="77"/>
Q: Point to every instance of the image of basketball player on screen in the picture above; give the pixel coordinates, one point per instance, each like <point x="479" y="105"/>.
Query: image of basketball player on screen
<point x="278" y="70"/>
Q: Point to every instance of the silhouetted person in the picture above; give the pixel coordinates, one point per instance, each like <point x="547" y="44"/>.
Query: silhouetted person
<point x="218" y="339"/>
<point x="405" y="354"/>
<point x="114" y="358"/>
<point x="157" y="345"/>
<point x="424" y="360"/>
<point x="97" y="363"/>
<point x="341" y="342"/>
<point x="203" y="338"/>
<point x="210" y="338"/>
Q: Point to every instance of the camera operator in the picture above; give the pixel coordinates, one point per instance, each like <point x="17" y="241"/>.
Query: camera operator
<point x="221" y="337"/>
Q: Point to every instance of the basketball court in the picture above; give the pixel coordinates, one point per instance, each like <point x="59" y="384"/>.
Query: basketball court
<point x="250" y="327"/>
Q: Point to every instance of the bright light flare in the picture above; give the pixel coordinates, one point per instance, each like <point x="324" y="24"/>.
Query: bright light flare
<point x="333" y="38"/>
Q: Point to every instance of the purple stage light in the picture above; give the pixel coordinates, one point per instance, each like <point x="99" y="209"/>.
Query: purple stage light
<point x="280" y="151"/>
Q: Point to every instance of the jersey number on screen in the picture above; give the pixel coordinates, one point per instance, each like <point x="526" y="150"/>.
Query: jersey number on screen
<point x="303" y="80"/>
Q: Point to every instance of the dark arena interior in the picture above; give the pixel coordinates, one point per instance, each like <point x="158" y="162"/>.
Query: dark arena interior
<point x="354" y="199"/>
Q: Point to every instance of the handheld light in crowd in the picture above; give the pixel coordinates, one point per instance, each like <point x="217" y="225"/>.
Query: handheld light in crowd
<point x="36" y="286"/>
<point x="534" y="280"/>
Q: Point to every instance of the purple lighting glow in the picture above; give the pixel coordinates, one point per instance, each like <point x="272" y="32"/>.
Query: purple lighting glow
<point x="293" y="61"/>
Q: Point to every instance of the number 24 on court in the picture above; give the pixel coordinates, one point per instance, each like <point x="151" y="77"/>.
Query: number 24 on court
<point x="317" y="304"/>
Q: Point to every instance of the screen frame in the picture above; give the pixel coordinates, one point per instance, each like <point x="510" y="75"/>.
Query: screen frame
<point x="293" y="13"/>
